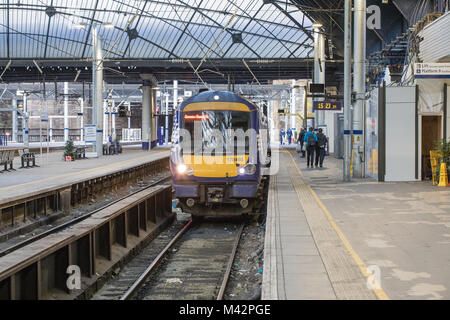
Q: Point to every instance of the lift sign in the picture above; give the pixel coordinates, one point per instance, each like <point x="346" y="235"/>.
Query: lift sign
<point x="327" y="105"/>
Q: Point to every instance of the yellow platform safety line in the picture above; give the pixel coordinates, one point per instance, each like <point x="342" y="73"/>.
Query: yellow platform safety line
<point x="77" y="173"/>
<point x="381" y="295"/>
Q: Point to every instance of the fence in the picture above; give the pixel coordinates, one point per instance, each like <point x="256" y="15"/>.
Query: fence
<point x="131" y="135"/>
<point x="3" y="140"/>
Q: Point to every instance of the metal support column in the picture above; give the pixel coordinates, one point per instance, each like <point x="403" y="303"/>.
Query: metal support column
<point x="166" y="129"/>
<point x="50" y="123"/>
<point x="322" y="71"/>
<point x="14" y="121"/>
<point x="25" y="128"/>
<point x="175" y="102"/>
<point x="66" y="112"/>
<point x="97" y="91"/>
<point x="147" y="96"/>
<point x="105" y="120"/>
<point x="113" y="120"/>
<point x="129" y="117"/>
<point x="82" y="119"/>
<point x="319" y="66"/>
<point x="293" y="105"/>
<point x="359" y="85"/>
<point x="347" y="89"/>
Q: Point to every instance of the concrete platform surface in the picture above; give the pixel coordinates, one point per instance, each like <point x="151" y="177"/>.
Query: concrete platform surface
<point x="53" y="172"/>
<point x="326" y="239"/>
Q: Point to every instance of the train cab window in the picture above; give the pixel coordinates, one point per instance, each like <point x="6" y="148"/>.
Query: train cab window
<point x="220" y="131"/>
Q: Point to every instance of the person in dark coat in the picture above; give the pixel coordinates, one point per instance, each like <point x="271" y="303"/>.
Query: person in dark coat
<point x="301" y="140"/>
<point x="320" y="148"/>
<point x="311" y="142"/>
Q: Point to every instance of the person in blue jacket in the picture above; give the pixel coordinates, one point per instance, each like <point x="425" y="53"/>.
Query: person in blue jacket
<point x="289" y="135"/>
<point x="282" y="134"/>
<point x="311" y="143"/>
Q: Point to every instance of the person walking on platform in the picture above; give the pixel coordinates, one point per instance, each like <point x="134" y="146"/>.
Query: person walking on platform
<point x="311" y="142"/>
<point x="320" y="148"/>
<point x="289" y="135"/>
<point x="282" y="134"/>
<point x="301" y="140"/>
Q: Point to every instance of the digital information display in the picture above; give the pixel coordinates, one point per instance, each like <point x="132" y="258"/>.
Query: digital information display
<point x="327" y="105"/>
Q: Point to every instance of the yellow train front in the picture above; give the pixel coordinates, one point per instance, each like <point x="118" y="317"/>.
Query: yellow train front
<point x="219" y="150"/>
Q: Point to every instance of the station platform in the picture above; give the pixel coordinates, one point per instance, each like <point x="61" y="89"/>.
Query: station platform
<point x="326" y="239"/>
<point x="54" y="173"/>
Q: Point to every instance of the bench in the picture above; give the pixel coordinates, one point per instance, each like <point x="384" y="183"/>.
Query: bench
<point x="7" y="158"/>
<point x="80" y="152"/>
<point x="109" y="149"/>
<point x="26" y="157"/>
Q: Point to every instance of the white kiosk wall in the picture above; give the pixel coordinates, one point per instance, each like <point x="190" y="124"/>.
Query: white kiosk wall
<point x="448" y="112"/>
<point x="400" y="134"/>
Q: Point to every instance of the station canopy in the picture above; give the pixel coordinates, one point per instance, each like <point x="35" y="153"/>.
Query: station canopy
<point x="169" y="29"/>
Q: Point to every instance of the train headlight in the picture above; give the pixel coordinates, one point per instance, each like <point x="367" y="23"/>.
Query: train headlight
<point x="183" y="169"/>
<point x="248" y="169"/>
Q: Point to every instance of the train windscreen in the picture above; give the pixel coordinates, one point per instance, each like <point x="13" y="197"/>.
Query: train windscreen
<point x="217" y="132"/>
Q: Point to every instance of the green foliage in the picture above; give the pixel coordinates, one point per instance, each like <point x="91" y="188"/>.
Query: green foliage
<point x="69" y="149"/>
<point x="443" y="146"/>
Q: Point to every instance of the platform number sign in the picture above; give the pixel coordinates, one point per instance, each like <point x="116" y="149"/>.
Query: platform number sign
<point x="327" y="105"/>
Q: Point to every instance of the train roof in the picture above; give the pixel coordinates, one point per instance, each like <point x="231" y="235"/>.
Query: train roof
<point x="217" y="96"/>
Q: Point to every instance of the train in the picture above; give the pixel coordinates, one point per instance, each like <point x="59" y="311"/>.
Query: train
<point x="220" y="149"/>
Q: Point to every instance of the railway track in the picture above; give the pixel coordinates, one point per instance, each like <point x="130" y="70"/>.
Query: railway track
<point x="194" y="262"/>
<point x="78" y="219"/>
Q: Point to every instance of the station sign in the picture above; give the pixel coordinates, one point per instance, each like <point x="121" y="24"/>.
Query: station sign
<point x="327" y="105"/>
<point x="90" y="133"/>
<point x="432" y="70"/>
<point x="44" y="116"/>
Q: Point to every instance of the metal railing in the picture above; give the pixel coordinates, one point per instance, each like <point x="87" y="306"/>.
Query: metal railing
<point x="3" y="140"/>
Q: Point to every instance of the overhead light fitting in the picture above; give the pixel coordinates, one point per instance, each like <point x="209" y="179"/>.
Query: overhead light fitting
<point x="317" y="25"/>
<point x="80" y="25"/>
<point x="76" y="77"/>
<point x="37" y="66"/>
<point x="236" y="37"/>
<point x="6" y="68"/>
<point x="108" y="25"/>
<point x="50" y="11"/>
<point x="132" y="33"/>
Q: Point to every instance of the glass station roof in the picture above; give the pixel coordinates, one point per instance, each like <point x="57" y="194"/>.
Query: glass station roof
<point x="165" y="29"/>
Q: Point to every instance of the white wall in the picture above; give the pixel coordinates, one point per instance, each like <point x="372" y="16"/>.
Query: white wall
<point x="448" y="112"/>
<point x="400" y="134"/>
<point x="329" y="121"/>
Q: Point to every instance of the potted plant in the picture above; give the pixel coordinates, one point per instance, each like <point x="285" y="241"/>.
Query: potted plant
<point x="69" y="150"/>
<point x="443" y="148"/>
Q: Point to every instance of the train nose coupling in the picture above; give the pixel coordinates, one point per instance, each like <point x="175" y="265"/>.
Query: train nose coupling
<point x="190" y="202"/>
<point x="244" y="203"/>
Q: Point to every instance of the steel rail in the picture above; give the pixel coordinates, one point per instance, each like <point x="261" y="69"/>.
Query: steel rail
<point x="138" y="283"/>
<point x="75" y="220"/>
<point x="230" y="264"/>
